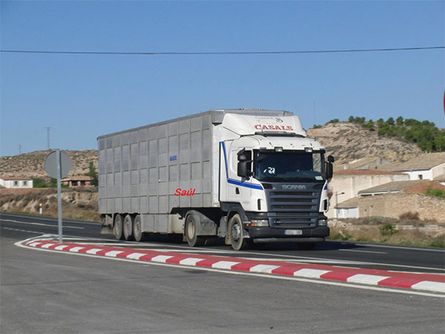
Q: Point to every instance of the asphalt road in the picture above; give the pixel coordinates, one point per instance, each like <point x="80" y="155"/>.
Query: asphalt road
<point x="346" y="253"/>
<point x="44" y="292"/>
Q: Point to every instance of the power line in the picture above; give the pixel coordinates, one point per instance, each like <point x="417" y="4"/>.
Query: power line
<point x="180" y="53"/>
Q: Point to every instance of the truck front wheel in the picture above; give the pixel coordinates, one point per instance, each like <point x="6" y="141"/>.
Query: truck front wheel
<point x="191" y="231"/>
<point x="237" y="234"/>
<point x="117" y="227"/>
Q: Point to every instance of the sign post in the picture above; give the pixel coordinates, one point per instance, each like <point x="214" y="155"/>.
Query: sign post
<point x="57" y="165"/>
<point x="59" y="195"/>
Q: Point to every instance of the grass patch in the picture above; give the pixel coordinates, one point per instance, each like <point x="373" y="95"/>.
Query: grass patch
<point x="393" y="232"/>
<point x="439" y="193"/>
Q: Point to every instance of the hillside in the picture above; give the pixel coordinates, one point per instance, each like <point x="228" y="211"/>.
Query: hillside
<point x="349" y="142"/>
<point x="31" y="164"/>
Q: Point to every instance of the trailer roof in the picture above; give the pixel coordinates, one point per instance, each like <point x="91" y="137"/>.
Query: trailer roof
<point x="216" y="115"/>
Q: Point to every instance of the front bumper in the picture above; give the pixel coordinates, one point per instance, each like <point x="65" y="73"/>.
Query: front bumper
<point x="319" y="232"/>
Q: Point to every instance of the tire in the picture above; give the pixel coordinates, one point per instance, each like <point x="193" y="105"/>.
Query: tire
<point x="137" y="228"/>
<point x="128" y="228"/>
<point x="237" y="234"/>
<point x="191" y="230"/>
<point x="118" y="227"/>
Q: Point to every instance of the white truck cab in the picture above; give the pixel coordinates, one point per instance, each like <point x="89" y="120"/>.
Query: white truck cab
<point x="275" y="176"/>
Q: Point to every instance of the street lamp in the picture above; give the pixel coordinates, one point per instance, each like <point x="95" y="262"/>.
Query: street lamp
<point x="336" y="202"/>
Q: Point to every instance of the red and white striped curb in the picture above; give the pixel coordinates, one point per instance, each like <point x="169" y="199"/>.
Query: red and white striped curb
<point x="375" y="277"/>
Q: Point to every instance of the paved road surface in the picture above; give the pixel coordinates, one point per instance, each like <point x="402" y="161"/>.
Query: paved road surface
<point x="45" y="292"/>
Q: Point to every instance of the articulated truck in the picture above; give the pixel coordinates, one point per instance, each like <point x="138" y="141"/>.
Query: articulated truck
<point x="245" y="175"/>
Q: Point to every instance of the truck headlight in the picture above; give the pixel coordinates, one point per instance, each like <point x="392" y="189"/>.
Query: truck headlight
<point x="322" y="222"/>
<point x="259" y="222"/>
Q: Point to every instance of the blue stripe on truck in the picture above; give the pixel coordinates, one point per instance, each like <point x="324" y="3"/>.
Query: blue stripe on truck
<point x="233" y="181"/>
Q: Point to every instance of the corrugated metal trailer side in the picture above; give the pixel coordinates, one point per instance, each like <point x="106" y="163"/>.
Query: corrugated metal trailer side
<point x="141" y="169"/>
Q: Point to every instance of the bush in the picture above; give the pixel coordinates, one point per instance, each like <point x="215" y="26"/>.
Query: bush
<point x="409" y="216"/>
<point x="39" y="183"/>
<point x="335" y="120"/>
<point x="388" y="230"/>
<point x="435" y="192"/>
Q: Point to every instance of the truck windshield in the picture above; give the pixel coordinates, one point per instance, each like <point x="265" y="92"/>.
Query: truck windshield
<point x="288" y="166"/>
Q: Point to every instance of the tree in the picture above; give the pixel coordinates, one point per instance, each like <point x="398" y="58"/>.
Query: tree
<point x="93" y="174"/>
<point x="390" y="121"/>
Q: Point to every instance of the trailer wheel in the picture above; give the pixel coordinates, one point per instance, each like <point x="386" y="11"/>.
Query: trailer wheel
<point x="236" y="230"/>
<point x="128" y="228"/>
<point x="117" y="227"/>
<point x="191" y="231"/>
<point x="137" y="228"/>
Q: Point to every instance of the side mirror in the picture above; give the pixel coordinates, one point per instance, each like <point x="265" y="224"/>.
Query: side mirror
<point x="329" y="167"/>
<point x="244" y="164"/>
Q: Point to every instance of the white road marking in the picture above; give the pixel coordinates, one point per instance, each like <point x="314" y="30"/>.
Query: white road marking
<point x="135" y="256"/>
<point x="287" y="278"/>
<point x="361" y="251"/>
<point x="430" y="286"/>
<point x="310" y="273"/>
<point x="366" y="279"/>
<point x="190" y="261"/>
<point x="50" y="219"/>
<point x="20" y="230"/>
<point x="93" y="251"/>
<point x="224" y="264"/>
<point x="263" y="268"/>
<point x="41" y="224"/>
<point x="113" y="253"/>
<point x="47" y="245"/>
<point x="161" y="258"/>
<point x="76" y="249"/>
<point x="60" y="247"/>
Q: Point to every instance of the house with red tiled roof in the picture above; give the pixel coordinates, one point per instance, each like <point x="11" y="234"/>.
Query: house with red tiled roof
<point x="78" y="181"/>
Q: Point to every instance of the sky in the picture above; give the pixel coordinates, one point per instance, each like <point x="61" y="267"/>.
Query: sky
<point x="84" y="96"/>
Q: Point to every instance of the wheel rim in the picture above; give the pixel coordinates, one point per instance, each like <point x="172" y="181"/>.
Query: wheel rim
<point x="236" y="232"/>
<point x="127" y="227"/>
<point x="117" y="228"/>
<point x="191" y="229"/>
<point x="137" y="228"/>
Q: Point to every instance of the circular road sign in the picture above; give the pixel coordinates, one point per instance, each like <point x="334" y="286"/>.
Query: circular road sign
<point x="51" y="164"/>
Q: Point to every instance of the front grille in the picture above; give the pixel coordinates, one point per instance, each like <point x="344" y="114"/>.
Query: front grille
<point x="294" y="209"/>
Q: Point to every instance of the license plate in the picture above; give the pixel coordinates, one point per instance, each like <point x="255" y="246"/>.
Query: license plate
<point x="293" y="232"/>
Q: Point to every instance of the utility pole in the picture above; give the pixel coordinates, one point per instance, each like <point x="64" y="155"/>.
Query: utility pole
<point x="20" y="148"/>
<point x="48" y="130"/>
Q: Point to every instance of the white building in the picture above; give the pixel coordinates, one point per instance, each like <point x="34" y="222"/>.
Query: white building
<point x="347" y="209"/>
<point x="14" y="182"/>
<point x="427" y="166"/>
<point x="347" y="183"/>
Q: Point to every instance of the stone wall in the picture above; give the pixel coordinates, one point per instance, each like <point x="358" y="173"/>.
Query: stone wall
<point x="394" y="205"/>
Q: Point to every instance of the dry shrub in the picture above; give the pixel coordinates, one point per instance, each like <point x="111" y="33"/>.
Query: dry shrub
<point x="410" y="215"/>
